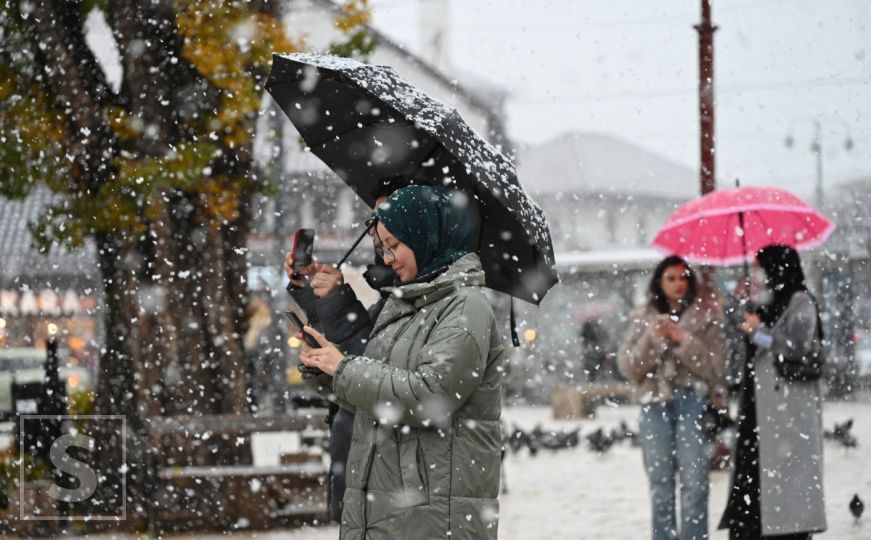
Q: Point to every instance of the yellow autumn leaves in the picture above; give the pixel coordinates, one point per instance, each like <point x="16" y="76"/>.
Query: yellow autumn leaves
<point x="231" y="46"/>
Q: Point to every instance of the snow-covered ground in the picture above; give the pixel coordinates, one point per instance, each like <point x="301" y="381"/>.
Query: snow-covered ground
<point x="577" y="494"/>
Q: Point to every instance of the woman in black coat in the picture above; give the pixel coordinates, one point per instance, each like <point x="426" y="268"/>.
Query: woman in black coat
<point x="777" y="485"/>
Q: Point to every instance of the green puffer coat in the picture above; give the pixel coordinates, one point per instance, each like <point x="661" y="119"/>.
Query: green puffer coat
<point x="425" y="454"/>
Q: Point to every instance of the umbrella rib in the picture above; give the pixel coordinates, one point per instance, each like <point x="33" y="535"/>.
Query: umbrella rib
<point x="432" y="152"/>
<point x="746" y="208"/>
<point x="360" y="125"/>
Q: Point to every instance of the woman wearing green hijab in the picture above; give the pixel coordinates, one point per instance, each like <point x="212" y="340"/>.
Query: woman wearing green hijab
<point x="425" y="456"/>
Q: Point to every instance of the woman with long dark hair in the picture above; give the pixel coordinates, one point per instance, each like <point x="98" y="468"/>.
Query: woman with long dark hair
<point x="777" y="484"/>
<point x="673" y="352"/>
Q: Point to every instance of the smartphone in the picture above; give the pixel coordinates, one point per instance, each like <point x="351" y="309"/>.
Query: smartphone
<point x="297" y="327"/>
<point x="303" y="243"/>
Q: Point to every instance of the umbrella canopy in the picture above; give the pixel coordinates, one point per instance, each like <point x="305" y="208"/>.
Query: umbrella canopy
<point x="368" y="124"/>
<point x="729" y="226"/>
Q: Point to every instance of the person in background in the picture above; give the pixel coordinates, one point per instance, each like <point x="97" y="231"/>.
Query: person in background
<point x="594" y="341"/>
<point x="777" y="483"/>
<point x="674" y="352"/>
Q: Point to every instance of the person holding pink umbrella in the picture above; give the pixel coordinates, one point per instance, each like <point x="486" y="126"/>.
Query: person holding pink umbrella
<point x="777" y="483"/>
<point x="673" y="351"/>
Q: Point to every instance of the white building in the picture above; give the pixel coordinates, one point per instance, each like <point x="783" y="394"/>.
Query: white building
<point x="600" y="192"/>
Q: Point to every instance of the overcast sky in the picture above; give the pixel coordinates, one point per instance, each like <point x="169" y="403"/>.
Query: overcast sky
<point x="630" y="68"/>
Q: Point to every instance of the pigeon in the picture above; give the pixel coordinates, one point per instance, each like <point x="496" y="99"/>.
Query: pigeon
<point x="623" y="433"/>
<point x="517" y="440"/>
<point x="571" y="439"/>
<point x="857" y="507"/>
<point x="841" y="434"/>
<point x="599" y="441"/>
<point x="559" y="440"/>
<point x="550" y="440"/>
<point x="533" y="441"/>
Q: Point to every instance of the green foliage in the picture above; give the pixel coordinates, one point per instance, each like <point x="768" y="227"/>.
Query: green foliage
<point x="359" y="46"/>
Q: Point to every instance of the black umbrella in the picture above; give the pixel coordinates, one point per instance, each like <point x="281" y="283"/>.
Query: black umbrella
<point x="368" y="124"/>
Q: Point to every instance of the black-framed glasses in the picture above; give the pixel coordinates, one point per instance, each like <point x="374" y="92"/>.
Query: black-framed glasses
<point x="380" y="249"/>
<point x="384" y="252"/>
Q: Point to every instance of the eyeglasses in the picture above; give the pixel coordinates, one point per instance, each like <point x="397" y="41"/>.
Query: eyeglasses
<point x="384" y="252"/>
<point x="380" y="249"/>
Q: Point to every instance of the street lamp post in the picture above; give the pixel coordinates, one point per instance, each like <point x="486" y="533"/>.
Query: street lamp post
<point x="816" y="148"/>
<point x="838" y="378"/>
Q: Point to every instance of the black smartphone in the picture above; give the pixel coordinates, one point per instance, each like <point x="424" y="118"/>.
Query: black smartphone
<point x="303" y="244"/>
<point x="297" y="326"/>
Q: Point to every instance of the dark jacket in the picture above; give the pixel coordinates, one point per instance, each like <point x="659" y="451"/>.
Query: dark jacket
<point x="347" y="323"/>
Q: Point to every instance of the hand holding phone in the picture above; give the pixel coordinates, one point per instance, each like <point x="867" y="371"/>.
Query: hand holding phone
<point x="303" y="245"/>
<point x="326" y="358"/>
<point x="298" y="327"/>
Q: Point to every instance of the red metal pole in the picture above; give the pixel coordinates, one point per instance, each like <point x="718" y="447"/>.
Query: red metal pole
<point x="706" y="97"/>
<point x="706" y="119"/>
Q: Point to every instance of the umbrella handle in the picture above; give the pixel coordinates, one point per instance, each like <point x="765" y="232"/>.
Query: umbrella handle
<point x="515" y="339"/>
<point x="371" y="222"/>
<point x="744" y="253"/>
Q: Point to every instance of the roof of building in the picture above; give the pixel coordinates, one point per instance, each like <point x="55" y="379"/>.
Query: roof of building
<point x="24" y="264"/>
<point x="600" y="163"/>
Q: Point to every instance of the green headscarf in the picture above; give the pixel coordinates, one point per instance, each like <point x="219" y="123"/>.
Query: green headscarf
<point x="432" y="221"/>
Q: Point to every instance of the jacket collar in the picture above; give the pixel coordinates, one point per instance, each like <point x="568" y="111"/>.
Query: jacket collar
<point x="407" y="299"/>
<point x="466" y="271"/>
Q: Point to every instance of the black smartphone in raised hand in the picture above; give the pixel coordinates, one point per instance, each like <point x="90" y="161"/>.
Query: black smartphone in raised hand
<point x="298" y="326"/>
<point x="303" y="245"/>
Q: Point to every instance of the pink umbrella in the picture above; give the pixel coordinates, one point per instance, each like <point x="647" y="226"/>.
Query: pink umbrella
<point x="729" y="226"/>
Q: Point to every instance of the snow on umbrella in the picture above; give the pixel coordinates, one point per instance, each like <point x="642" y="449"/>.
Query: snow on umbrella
<point x="368" y="124"/>
<point x="729" y="226"/>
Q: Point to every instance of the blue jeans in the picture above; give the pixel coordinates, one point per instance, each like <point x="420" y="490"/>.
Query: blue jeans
<point x="675" y="446"/>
